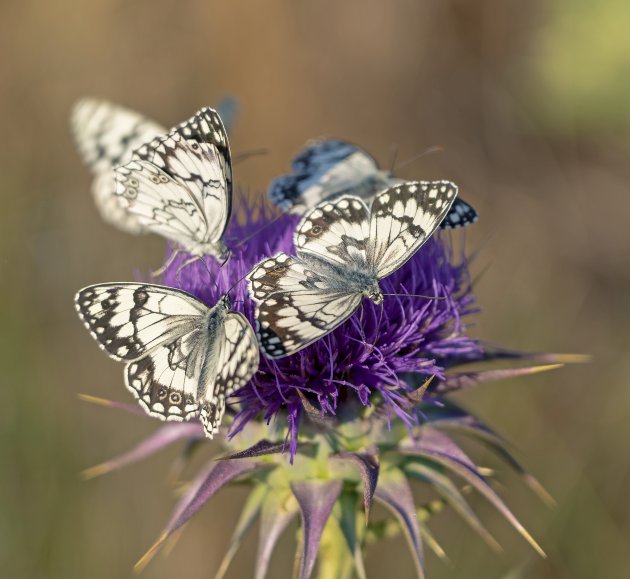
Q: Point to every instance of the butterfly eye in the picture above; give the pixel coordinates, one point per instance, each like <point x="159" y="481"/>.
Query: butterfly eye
<point x="155" y="179"/>
<point x="131" y="193"/>
<point x="194" y="146"/>
<point x="133" y="182"/>
<point x="163" y="179"/>
<point x="175" y="398"/>
<point x="316" y="230"/>
<point x="162" y="393"/>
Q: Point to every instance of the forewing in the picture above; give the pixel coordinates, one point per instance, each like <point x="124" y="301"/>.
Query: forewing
<point x="236" y="362"/>
<point x="322" y="171"/>
<point x="460" y="214"/>
<point x="402" y="218"/>
<point x="197" y="154"/>
<point x="321" y="154"/>
<point x="295" y="304"/>
<point x="106" y="134"/>
<point x="160" y="203"/>
<point x="160" y="333"/>
<point x="129" y="319"/>
<point x="336" y="232"/>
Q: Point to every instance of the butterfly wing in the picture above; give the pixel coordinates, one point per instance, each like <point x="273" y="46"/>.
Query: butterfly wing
<point x="324" y="170"/>
<point x="236" y="362"/>
<point x="195" y="158"/>
<point x="296" y="305"/>
<point x="162" y="204"/>
<point x="106" y="134"/>
<point x="160" y="332"/>
<point x="197" y="152"/>
<point x="403" y="218"/>
<point x="460" y="214"/>
<point x="336" y="232"/>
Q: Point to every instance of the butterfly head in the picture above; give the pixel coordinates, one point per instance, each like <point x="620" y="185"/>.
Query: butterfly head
<point x="373" y="292"/>
<point x="225" y="302"/>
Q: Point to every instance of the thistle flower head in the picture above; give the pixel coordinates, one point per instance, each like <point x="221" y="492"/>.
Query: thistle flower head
<point x="365" y="358"/>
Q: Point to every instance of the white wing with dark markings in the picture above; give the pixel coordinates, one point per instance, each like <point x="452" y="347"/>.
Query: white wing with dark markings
<point x="182" y="358"/>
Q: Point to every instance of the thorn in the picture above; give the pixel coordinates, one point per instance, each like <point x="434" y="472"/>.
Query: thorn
<point x="96" y="471"/>
<point x="146" y="558"/>
<point x="95" y="400"/>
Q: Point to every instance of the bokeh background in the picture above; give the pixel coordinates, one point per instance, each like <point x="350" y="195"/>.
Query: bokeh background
<point x="528" y="100"/>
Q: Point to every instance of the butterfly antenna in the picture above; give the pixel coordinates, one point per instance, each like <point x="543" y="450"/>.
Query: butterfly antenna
<point x="395" y="150"/>
<point x="417" y="296"/>
<point x="249" y="154"/>
<point x="427" y="151"/>
<point x="167" y="264"/>
<point x="242" y="241"/>
<point x="239" y="280"/>
<point x="378" y="328"/>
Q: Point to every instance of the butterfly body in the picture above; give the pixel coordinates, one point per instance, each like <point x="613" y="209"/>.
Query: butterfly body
<point x="343" y="250"/>
<point x="330" y="168"/>
<point x="182" y="358"/>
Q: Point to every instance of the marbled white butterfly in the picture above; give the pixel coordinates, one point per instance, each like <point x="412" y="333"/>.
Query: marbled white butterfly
<point x="182" y="358"/>
<point x="329" y="168"/>
<point x="179" y="185"/>
<point x="343" y="250"/>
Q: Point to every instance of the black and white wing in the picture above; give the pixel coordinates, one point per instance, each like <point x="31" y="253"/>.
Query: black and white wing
<point x="236" y="362"/>
<point x="106" y="134"/>
<point x="336" y="232"/>
<point x="160" y="332"/>
<point x="324" y="170"/>
<point x="295" y="304"/>
<point x="402" y="218"/>
<point x="461" y="214"/>
<point x="180" y="185"/>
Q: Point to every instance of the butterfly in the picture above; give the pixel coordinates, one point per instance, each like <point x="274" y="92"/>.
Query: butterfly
<point x="179" y="185"/>
<point x="328" y="168"/>
<point x="343" y="250"/>
<point x="106" y="135"/>
<point x="182" y="359"/>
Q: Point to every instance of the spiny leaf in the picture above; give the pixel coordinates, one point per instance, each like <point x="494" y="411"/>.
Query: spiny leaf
<point x="131" y="408"/>
<point x="340" y="549"/>
<point x="209" y="481"/>
<point x="394" y="492"/>
<point x="277" y="512"/>
<point x="438" y="447"/>
<point x="470" y="425"/>
<point x="162" y="437"/>
<point x="460" y="380"/>
<point x="316" y="499"/>
<point x="262" y="448"/>
<point x="453" y="497"/>
<point x="252" y="508"/>
<point x="368" y="468"/>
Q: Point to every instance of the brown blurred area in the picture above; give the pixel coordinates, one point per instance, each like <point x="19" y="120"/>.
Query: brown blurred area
<point x="528" y="100"/>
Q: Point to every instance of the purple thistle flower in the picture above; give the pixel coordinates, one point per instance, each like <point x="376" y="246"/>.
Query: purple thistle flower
<point x="362" y="359"/>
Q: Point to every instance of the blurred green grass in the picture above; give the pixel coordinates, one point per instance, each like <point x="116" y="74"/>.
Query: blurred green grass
<point x="528" y="100"/>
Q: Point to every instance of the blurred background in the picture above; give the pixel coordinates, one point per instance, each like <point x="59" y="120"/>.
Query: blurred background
<point x="528" y="100"/>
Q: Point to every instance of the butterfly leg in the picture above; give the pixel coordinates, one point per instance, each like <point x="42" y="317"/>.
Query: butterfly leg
<point x="184" y="265"/>
<point x="167" y="264"/>
<point x="378" y="328"/>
